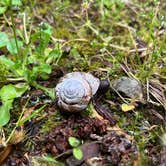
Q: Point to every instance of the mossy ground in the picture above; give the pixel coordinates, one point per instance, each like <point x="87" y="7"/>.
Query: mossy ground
<point x="109" y="39"/>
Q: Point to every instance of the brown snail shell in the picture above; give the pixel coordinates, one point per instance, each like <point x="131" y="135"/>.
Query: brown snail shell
<point x="75" y="90"/>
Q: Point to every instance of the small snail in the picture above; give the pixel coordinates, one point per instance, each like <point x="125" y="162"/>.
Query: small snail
<point x="75" y="90"/>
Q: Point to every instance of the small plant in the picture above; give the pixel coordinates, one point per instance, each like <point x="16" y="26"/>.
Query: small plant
<point x="28" y="58"/>
<point x="5" y="4"/>
<point x="77" y="152"/>
<point x="7" y="94"/>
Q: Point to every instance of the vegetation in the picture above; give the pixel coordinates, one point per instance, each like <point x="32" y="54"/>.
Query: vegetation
<point x="109" y="38"/>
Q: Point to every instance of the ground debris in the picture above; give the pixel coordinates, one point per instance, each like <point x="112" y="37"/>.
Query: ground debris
<point x="17" y="159"/>
<point x="114" y="148"/>
<point x="103" y="110"/>
<point x="89" y="151"/>
<point x="118" y="149"/>
<point x="163" y="156"/>
<point x="94" y="161"/>
<point x="81" y="127"/>
<point x="4" y="152"/>
<point x="107" y="38"/>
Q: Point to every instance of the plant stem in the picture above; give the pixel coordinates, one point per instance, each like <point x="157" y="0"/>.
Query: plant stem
<point x="25" y="31"/>
<point x="49" y="91"/>
<point x="17" y="123"/>
<point x="15" y="36"/>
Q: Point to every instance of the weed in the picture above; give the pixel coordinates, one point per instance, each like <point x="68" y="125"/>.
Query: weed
<point x="77" y="152"/>
<point x="110" y="38"/>
<point x="22" y="54"/>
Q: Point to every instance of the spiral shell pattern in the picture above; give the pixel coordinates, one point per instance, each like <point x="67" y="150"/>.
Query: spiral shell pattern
<point x="75" y="90"/>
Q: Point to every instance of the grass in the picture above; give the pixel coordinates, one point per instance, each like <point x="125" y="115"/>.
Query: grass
<point x="109" y="38"/>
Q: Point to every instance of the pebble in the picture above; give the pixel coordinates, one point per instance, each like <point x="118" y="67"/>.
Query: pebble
<point x="128" y="86"/>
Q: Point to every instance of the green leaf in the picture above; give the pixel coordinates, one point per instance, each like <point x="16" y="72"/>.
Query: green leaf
<point x="20" y="89"/>
<point x="12" y="47"/>
<point x="54" y="55"/>
<point x="3" y="37"/>
<point x="74" y="142"/>
<point x="3" y="10"/>
<point x="4" y="112"/>
<point x="44" y="40"/>
<point x="44" y="68"/>
<point x="5" y="2"/>
<point x="78" y="154"/>
<point x="42" y="36"/>
<point x="7" y="94"/>
<point x="44" y="27"/>
<point x="16" y="2"/>
<point x="30" y="76"/>
<point x="33" y="114"/>
<point x="49" y="91"/>
<point x="6" y="61"/>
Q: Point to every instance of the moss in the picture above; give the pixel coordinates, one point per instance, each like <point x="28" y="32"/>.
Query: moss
<point x="62" y="33"/>
<point x="53" y="120"/>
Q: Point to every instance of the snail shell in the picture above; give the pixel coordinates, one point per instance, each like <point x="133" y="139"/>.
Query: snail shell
<point x="75" y="90"/>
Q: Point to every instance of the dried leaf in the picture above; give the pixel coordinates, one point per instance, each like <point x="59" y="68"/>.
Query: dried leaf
<point x="17" y="136"/>
<point x="127" y="107"/>
<point x="5" y="153"/>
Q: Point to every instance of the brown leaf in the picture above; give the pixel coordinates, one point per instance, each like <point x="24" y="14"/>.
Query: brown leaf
<point x="5" y="153"/>
<point x="17" y="136"/>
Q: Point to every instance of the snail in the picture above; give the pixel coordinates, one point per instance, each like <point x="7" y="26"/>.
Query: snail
<point x="75" y="90"/>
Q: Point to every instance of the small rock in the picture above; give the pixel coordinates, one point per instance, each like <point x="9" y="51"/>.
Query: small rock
<point x="128" y="86"/>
